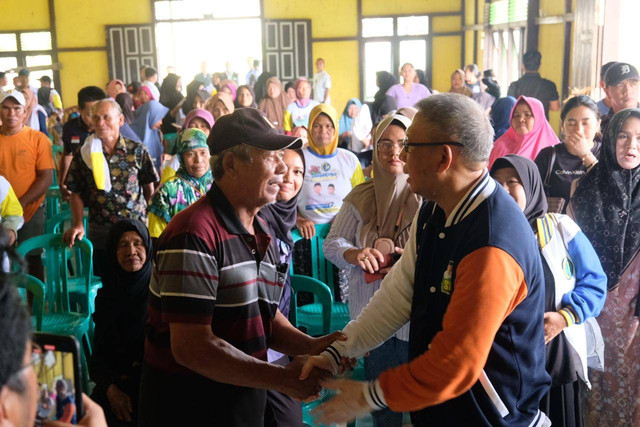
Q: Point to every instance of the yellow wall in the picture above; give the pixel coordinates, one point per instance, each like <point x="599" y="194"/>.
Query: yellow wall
<point x="341" y="59"/>
<point x="24" y="15"/>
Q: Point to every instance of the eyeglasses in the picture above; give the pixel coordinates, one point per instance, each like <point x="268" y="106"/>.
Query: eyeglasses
<point x="406" y="144"/>
<point x="389" y="146"/>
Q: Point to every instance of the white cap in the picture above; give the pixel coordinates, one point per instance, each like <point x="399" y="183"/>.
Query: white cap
<point x="17" y="95"/>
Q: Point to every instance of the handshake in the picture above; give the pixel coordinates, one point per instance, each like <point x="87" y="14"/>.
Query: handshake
<point x="304" y="376"/>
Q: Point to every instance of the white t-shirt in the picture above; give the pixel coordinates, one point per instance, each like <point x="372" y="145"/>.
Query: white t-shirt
<point x="321" y="82"/>
<point x="327" y="181"/>
<point x="300" y="115"/>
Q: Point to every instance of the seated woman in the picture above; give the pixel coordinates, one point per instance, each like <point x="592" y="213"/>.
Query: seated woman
<point x="219" y="105"/>
<point x="457" y="83"/>
<point x="371" y="228"/>
<point x="529" y="132"/>
<point x="274" y="104"/>
<point x="575" y="288"/>
<point x="120" y="315"/>
<point x="192" y="181"/>
<point x="351" y="110"/>
<point x="331" y="172"/>
<point x="500" y="115"/>
<point x="283" y="410"/>
<point x="606" y="205"/>
<point x="300" y="109"/>
<point x="562" y="164"/>
<point x="196" y="119"/>
<point x="245" y="98"/>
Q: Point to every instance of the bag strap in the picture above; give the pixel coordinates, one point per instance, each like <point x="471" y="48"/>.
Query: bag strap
<point x="552" y="161"/>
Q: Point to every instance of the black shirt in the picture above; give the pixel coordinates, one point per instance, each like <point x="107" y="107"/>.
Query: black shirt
<point x="565" y="169"/>
<point x="74" y="133"/>
<point x="531" y="84"/>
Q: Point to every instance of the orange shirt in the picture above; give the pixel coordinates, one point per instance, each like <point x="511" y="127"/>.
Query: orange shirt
<point x="21" y="155"/>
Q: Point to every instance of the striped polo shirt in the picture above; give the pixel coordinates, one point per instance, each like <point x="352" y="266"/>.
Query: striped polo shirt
<point x="209" y="270"/>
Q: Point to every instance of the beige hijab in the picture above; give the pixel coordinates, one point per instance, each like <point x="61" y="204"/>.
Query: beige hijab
<point x="390" y="195"/>
<point x="464" y="90"/>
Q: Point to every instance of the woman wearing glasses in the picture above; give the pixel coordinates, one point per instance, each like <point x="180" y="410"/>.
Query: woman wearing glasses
<point x="368" y="235"/>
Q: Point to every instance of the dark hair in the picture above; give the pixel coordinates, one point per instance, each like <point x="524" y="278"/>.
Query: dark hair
<point x="150" y="72"/>
<point x="134" y="87"/>
<point x="2" y="74"/>
<point x="531" y="60"/>
<point x="331" y="186"/>
<point x="474" y="69"/>
<point x="605" y="68"/>
<point x="15" y="326"/>
<point x="90" y="94"/>
<point x="317" y="184"/>
<point x="579" y="101"/>
<point x="288" y="85"/>
<point x="488" y="73"/>
<point x="125" y="102"/>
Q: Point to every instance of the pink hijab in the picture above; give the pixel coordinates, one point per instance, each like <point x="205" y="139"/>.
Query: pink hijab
<point x="528" y="145"/>
<point x="113" y="91"/>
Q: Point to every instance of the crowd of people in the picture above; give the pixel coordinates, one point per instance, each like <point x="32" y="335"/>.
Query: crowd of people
<point x="490" y="262"/>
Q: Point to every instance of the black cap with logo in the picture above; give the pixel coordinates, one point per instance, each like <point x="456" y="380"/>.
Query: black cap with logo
<point x="619" y="72"/>
<point x="248" y="126"/>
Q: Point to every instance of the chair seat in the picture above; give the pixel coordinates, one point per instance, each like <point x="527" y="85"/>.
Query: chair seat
<point x="310" y="316"/>
<point x="65" y="324"/>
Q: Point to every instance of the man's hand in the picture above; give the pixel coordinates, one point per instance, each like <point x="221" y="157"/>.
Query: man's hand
<point x="120" y="403"/>
<point x="347" y="405"/>
<point x="323" y="362"/>
<point x="321" y="343"/>
<point x="554" y="323"/>
<point x="369" y="259"/>
<point x="66" y="194"/>
<point x="75" y="232"/>
<point x="307" y="389"/>
<point x="93" y="415"/>
<point x="307" y="228"/>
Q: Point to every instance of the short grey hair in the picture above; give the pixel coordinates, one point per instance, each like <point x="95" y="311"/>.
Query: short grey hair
<point x="241" y="151"/>
<point x="114" y="105"/>
<point x="461" y="119"/>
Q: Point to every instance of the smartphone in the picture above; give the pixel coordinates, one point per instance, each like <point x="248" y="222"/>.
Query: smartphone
<point x="57" y="363"/>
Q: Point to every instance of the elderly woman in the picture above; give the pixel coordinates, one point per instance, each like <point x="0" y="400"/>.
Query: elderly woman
<point x="274" y="104"/>
<point x="606" y="205"/>
<point x="332" y="172"/>
<point x="219" y="105"/>
<point x="191" y="181"/>
<point x="370" y="230"/>
<point x="408" y="93"/>
<point x="560" y="165"/>
<point x="529" y="133"/>
<point x="301" y="108"/>
<point x="121" y="311"/>
<point x="575" y="288"/>
<point x="458" y="84"/>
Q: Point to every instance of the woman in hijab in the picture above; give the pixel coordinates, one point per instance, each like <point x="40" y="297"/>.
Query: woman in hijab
<point x="457" y="83"/>
<point x="44" y="99"/>
<point x="260" y="88"/>
<point x="500" y="114"/>
<point x="332" y="172"/>
<point x="606" y="205"/>
<point x="302" y="106"/>
<point x="274" y="104"/>
<point x="120" y="315"/>
<point x="147" y="120"/>
<point x="171" y="97"/>
<point x="283" y="410"/>
<point x="368" y="234"/>
<point x="191" y="181"/>
<point x="133" y="87"/>
<point x="230" y="87"/>
<point x="245" y="98"/>
<point x="192" y="91"/>
<point x="115" y="87"/>
<point x="529" y="132"/>
<point x="196" y="119"/>
<point x="125" y="102"/>
<point x="575" y="288"/>
<point x="143" y="96"/>
<point x="351" y="110"/>
<point x="382" y="103"/>
<point x="220" y="105"/>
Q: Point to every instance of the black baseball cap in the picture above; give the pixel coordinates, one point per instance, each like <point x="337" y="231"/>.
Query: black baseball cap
<point x="620" y="71"/>
<point x="45" y="79"/>
<point x="248" y="126"/>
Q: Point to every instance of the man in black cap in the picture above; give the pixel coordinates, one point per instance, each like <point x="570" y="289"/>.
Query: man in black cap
<point x="215" y="289"/>
<point x="621" y="87"/>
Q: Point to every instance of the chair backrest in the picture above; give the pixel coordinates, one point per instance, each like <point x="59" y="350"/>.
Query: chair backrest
<point x="59" y="223"/>
<point x="56" y="255"/>
<point x="55" y="149"/>
<point x="25" y="282"/>
<point x="321" y="293"/>
<point x="321" y="268"/>
<point x="54" y="202"/>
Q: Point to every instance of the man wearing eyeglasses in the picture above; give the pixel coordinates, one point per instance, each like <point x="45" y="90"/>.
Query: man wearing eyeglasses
<point x="471" y="284"/>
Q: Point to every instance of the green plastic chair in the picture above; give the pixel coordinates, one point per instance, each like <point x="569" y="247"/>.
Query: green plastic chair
<point x="54" y="203"/>
<point x="322" y="294"/>
<point x="311" y="316"/>
<point x="55" y="149"/>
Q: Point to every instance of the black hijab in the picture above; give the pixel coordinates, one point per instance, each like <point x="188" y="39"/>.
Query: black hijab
<point x="260" y="88"/>
<point x="170" y="97"/>
<point x="44" y="96"/>
<point x="282" y="215"/>
<point x="192" y="92"/>
<point x="383" y="104"/>
<point x="606" y="205"/>
<point x="536" y="206"/>
<point x="125" y="102"/>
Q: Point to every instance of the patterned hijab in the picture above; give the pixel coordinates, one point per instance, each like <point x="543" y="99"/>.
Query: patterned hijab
<point x="183" y="189"/>
<point x="606" y="205"/>
<point x="385" y="198"/>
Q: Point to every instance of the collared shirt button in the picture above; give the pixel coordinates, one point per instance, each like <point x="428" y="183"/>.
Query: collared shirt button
<point x="432" y="289"/>
<point x="441" y="235"/>
<point x="253" y="251"/>
<point x="429" y="347"/>
<point x="249" y="239"/>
